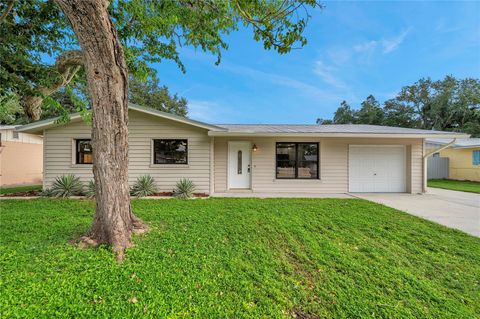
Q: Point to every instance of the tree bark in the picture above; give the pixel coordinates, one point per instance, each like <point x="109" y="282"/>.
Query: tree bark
<point x="107" y="78"/>
<point x="67" y="65"/>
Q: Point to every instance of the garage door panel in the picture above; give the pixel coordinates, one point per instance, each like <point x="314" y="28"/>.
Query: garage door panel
<point x="377" y="168"/>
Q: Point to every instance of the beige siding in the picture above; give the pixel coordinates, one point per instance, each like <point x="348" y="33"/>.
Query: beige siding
<point x="333" y="165"/>
<point x="20" y="163"/>
<point x="59" y="152"/>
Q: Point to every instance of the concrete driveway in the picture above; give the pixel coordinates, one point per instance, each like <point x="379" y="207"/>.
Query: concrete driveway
<point x="459" y="210"/>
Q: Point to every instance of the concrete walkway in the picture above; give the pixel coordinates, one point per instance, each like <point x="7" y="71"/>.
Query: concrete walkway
<point x="247" y="194"/>
<point x="459" y="210"/>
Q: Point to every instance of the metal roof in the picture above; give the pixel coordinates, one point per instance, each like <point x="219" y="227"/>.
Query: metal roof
<point x="328" y="128"/>
<point x="342" y="130"/>
<point x="459" y="143"/>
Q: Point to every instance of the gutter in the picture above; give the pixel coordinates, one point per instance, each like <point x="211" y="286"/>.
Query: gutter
<point x="441" y="148"/>
<point x="425" y="177"/>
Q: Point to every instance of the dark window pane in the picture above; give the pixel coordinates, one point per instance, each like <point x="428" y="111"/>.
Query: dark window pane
<point x="285" y="160"/>
<point x="84" y="152"/>
<point x="307" y="169"/>
<point x="170" y="152"/>
<point x="285" y="152"/>
<point x="297" y="160"/>
<point x="239" y="163"/>
<point x="307" y="152"/>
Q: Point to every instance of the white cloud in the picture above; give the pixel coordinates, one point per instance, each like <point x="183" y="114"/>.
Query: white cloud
<point x="326" y="73"/>
<point x="367" y="46"/>
<point x="390" y="45"/>
<point x="303" y="87"/>
<point x="386" y="45"/>
<point x="339" y="56"/>
<point x="208" y="111"/>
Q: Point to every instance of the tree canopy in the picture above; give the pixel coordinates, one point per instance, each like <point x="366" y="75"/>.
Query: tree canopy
<point x="450" y="104"/>
<point x="150" y="93"/>
<point x="32" y="32"/>
<point x="116" y="40"/>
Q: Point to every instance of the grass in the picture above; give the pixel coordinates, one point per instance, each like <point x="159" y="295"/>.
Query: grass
<point x="463" y="186"/>
<point x="238" y="258"/>
<point x="18" y="189"/>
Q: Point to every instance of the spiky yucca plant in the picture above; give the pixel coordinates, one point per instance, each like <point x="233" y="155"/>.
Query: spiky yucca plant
<point x="144" y="186"/>
<point x="66" y="186"/>
<point x="90" y="190"/>
<point x="184" y="189"/>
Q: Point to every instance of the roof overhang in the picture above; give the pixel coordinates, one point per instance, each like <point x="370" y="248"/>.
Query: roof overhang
<point x="359" y="135"/>
<point x="39" y="126"/>
<point x="466" y="146"/>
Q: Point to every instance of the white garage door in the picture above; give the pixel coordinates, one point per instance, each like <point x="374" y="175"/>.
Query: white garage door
<point x="377" y="169"/>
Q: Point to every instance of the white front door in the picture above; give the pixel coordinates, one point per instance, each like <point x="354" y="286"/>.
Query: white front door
<point x="239" y="165"/>
<point x="377" y="169"/>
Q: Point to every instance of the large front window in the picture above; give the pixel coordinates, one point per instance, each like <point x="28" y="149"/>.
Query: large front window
<point x="84" y="152"/>
<point x="170" y="152"/>
<point x="297" y="160"/>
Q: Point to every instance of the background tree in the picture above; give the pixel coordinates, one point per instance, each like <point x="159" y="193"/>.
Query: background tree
<point x="345" y="114"/>
<point x="448" y="105"/>
<point x="150" y="93"/>
<point x="10" y="109"/>
<point x="399" y="114"/>
<point x="370" y="112"/>
<point x="121" y="37"/>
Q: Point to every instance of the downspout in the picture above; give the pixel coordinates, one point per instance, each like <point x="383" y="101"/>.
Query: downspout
<point x="425" y="157"/>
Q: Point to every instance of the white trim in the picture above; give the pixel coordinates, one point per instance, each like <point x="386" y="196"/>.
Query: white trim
<point x="212" y="166"/>
<point x="44" y="161"/>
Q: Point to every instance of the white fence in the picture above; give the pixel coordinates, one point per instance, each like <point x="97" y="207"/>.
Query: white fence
<point x="437" y="167"/>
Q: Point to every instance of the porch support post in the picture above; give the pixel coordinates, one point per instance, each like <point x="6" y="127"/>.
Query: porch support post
<point x="212" y="166"/>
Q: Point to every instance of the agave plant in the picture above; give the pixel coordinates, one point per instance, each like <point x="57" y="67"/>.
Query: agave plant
<point x="144" y="186"/>
<point x="66" y="186"/>
<point x="184" y="189"/>
<point x="90" y="190"/>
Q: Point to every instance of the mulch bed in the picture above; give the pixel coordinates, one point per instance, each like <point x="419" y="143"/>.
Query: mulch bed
<point x="22" y="194"/>
<point x="37" y="193"/>
<point x="169" y="194"/>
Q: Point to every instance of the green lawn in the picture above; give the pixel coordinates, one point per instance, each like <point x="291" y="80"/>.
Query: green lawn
<point x="238" y="258"/>
<point x="11" y="190"/>
<point x="463" y="186"/>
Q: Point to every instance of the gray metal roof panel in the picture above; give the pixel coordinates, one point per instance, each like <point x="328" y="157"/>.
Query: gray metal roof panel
<point x="326" y="128"/>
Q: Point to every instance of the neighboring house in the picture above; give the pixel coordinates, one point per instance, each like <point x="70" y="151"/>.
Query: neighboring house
<point x="21" y="157"/>
<point x="249" y="158"/>
<point x="463" y="156"/>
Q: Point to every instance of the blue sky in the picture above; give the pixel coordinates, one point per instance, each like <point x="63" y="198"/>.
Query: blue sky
<point x="355" y="49"/>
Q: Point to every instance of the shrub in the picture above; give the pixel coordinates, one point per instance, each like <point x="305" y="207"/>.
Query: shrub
<point x="184" y="189"/>
<point x="47" y="192"/>
<point x="90" y="191"/>
<point x="144" y="186"/>
<point x="66" y="186"/>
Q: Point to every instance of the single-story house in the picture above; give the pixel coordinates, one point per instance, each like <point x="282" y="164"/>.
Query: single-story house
<point x="463" y="155"/>
<point x="21" y="157"/>
<point x="256" y="158"/>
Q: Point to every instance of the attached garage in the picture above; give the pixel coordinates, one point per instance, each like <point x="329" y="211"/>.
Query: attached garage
<point x="377" y="169"/>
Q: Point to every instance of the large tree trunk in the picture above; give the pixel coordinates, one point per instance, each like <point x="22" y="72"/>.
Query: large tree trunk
<point x="107" y="79"/>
